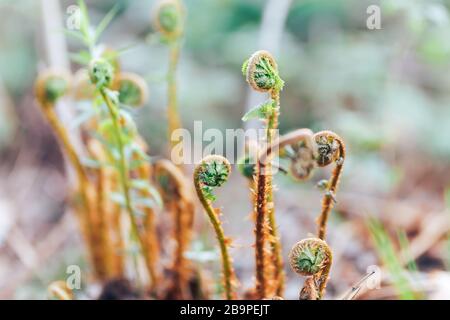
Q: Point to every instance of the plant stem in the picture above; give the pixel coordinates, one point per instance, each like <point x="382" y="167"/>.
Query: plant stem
<point x="83" y="187"/>
<point x="261" y="200"/>
<point x="328" y="200"/>
<point x="275" y="244"/>
<point x="151" y="239"/>
<point x="263" y="172"/>
<point x="123" y="173"/>
<point x="174" y="121"/>
<point x="228" y="273"/>
<point x="178" y="201"/>
<point x="264" y="196"/>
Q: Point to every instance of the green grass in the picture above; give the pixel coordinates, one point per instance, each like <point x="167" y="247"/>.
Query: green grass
<point x="390" y="258"/>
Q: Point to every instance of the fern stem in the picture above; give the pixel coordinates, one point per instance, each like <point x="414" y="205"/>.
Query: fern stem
<point x="228" y="273"/>
<point x="123" y="174"/>
<point x="174" y="121"/>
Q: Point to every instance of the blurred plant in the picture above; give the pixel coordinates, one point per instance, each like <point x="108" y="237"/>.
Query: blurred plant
<point x="389" y="257"/>
<point x="108" y="120"/>
<point x="122" y="131"/>
<point x="168" y="18"/>
<point x="261" y="72"/>
<point x="213" y="171"/>
<point x="50" y="87"/>
<point x="179" y="202"/>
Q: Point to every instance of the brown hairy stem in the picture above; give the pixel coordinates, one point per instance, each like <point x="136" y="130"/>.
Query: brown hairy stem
<point x="263" y="171"/>
<point x="107" y="182"/>
<point x="150" y="239"/>
<point x="100" y="221"/>
<point x="275" y="244"/>
<point x="260" y="259"/>
<point x="328" y="198"/>
<point x="115" y="223"/>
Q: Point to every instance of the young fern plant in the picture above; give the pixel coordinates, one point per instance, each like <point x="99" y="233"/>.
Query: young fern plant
<point x="325" y="148"/>
<point x="302" y="137"/>
<point x="331" y="149"/>
<point x="111" y="123"/>
<point x="212" y="172"/>
<point x="168" y="18"/>
<point x="51" y="86"/>
<point x="312" y="257"/>
<point x="123" y="132"/>
<point x="261" y="72"/>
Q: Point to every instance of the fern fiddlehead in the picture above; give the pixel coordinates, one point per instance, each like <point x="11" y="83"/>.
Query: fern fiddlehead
<point x="101" y="73"/>
<point x="212" y="172"/>
<point x="311" y="257"/>
<point x="169" y="22"/>
<point x="331" y="149"/>
<point x="51" y="86"/>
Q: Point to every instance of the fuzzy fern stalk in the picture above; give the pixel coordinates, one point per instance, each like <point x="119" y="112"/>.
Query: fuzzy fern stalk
<point x="150" y="239"/>
<point x="101" y="74"/>
<point x="168" y="20"/>
<point x="300" y="136"/>
<point x="58" y="290"/>
<point x="178" y="199"/>
<point x="212" y="172"/>
<point x="261" y="72"/>
<point x="312" y="257"/>
<point x="100" y="221"/>
<point x="49" y="88"/>
<point x="331" y="149"/>
<point x="107" y="222"/>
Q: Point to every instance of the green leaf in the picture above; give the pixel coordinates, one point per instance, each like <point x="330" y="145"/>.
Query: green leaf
<point x="262" y="111"/>
<point x="105" y="22"/>
<point x="279" y="83"/>
<point x="84" y="18"/>
<point x="404" y="246"/>
<point x="208" y="193"/>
